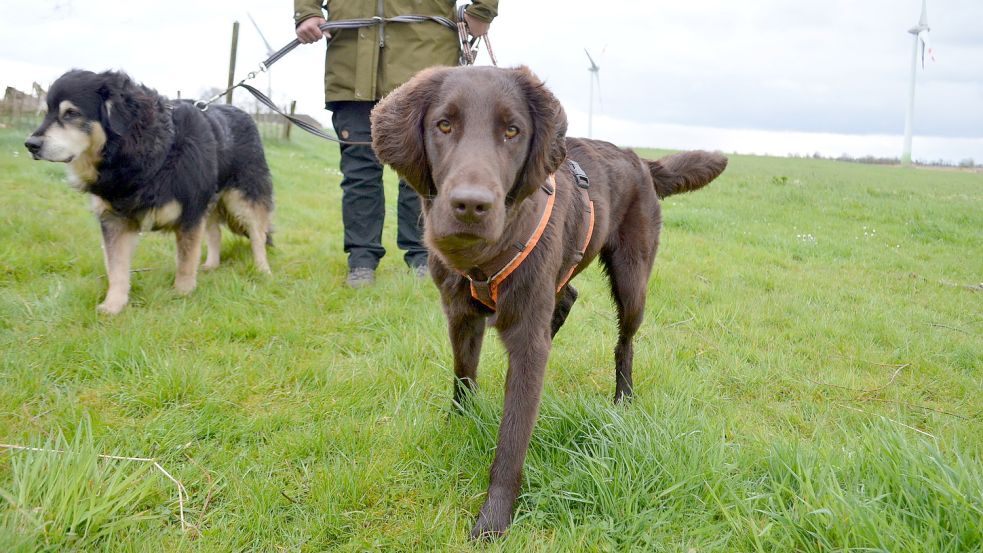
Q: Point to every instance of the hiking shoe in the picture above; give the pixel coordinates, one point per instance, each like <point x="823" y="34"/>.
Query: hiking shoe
<point x="360" y="277"/>
<point x="421" y="271"/>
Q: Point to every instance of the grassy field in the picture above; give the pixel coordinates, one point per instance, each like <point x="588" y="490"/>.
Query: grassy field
<point x="808" y="378"/>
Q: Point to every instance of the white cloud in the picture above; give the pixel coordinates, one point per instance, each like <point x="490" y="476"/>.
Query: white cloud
<point x="805" y="70"/>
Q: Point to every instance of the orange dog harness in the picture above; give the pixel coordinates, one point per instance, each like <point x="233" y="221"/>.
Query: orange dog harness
<point x="485" y="289"/>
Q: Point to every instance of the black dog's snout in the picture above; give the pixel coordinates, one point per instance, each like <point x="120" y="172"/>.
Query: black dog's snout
<point x="471" y="204"/>
<point x="33" y="144"/>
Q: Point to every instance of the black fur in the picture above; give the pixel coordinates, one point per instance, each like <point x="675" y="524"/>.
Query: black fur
<point x="154" y="164"/>
<point x="158" y="150"/>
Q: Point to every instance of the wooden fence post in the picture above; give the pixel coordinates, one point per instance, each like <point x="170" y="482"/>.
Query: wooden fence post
<point x="232" y="60"/>
<point x="286" y="129"/>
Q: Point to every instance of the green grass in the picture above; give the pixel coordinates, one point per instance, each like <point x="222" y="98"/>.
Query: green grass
<point x="69" y="495"/>
<point x="808" y="378"/>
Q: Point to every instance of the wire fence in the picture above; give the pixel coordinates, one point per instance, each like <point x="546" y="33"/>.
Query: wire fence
<point x="26" y="112"/>
<point x="271" y="125"/>
<point x="16" y="115"/>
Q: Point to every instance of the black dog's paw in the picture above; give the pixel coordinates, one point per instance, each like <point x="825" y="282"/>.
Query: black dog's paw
<point x="493" y="521"/>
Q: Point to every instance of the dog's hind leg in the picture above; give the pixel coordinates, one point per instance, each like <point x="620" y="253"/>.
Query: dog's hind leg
<point x="251" y="218"/>
<point x="213" y="241"/>
<point x="564" y="301"/>
<point x="118" y="242"/>
<point x="628" y="268"/>
<point x="188" y="257"/>
<point x="259" y="232"/>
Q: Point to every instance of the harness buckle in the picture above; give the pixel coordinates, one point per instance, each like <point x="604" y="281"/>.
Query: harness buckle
<point x="579" y="174"/>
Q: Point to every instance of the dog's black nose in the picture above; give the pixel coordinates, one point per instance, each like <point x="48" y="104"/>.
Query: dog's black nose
<point x="471" y="204"/>
<point x="33" y="144"/>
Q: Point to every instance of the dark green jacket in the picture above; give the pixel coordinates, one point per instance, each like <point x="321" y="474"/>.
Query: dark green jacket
<point x="357" y="68"/>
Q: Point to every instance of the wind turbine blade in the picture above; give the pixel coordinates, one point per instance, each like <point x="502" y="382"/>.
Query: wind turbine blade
<point x="923" y="20"/>
<point x="269" y="49"/>
<point x="593" y="66"/>
<point x="926" y="47"/>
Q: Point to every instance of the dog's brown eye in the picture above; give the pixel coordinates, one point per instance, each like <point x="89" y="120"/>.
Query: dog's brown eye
<point x="70" y="114"/>
<point x="444" y="126"/>
<point x="511" y="132"/>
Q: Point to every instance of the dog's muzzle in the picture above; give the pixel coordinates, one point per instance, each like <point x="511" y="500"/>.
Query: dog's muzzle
<point x="33" y="145"/>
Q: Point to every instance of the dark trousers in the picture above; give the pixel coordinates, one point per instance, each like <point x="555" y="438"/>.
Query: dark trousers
<point x="363" y="200"/>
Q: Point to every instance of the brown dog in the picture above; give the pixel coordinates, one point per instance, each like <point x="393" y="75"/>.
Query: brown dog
<point x="485" y="148"/>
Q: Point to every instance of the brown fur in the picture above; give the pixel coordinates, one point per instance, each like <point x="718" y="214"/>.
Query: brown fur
<point x="449" y="133"/>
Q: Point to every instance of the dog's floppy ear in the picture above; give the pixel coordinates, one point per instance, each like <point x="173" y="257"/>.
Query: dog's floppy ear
<point x="548" y="147"/>
<point x="119" y="106"/>
<point x="129" y="111"/>
<point x="397" y="128"/>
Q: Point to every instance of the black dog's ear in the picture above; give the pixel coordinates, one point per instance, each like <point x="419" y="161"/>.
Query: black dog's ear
<point x="547" y="149"/>
<point x="117" y="113"/>
<point x="126" y="105"/>
<point x="397" y="128"/>
<point x="111" y="119"/>
<point x="132" y="113"/>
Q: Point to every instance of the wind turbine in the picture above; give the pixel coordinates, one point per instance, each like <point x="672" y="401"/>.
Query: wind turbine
<point x="595" y="77"/>
<point x="920" y="33"/>
<point x="269" y="52"/>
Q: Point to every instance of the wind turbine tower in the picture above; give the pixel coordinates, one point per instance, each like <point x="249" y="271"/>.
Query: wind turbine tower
<point x="920" y="33"/>
<point x="595" y="78"/>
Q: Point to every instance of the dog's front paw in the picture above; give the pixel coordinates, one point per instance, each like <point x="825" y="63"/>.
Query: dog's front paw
<point x="110" y="307"/>
<point x="185" y="285"/>
<point x="209" y="266"/>
<point x="493" y="521"/>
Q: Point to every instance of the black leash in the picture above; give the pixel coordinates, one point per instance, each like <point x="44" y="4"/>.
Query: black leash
<point x="306" y="125"/>
<point x="357" y="24"/>
<point x="329" y="26"/>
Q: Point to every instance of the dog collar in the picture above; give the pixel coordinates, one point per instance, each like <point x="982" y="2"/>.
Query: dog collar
<point x="484" y="288"/>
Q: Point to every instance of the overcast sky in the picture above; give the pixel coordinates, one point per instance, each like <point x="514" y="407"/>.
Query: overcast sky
<point x="769" y="76"/>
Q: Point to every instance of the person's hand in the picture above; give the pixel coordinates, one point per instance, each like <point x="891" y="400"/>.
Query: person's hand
<point x="476" y="26"/>
<point x="309" y="30"/>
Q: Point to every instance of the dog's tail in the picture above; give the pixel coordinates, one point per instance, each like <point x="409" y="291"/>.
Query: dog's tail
<point x="685" y="171"/>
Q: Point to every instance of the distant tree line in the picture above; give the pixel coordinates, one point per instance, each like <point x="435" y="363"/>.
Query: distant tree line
<point x="967" y="163"/>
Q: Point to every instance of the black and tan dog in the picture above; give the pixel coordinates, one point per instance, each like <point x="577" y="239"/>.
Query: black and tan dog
<point x="152" y="164"/>
<point x="486" y="150"/>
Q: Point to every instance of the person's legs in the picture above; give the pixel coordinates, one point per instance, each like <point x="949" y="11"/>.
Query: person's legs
<point x="363" y="205"/>
<point x="409" y="235"/>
